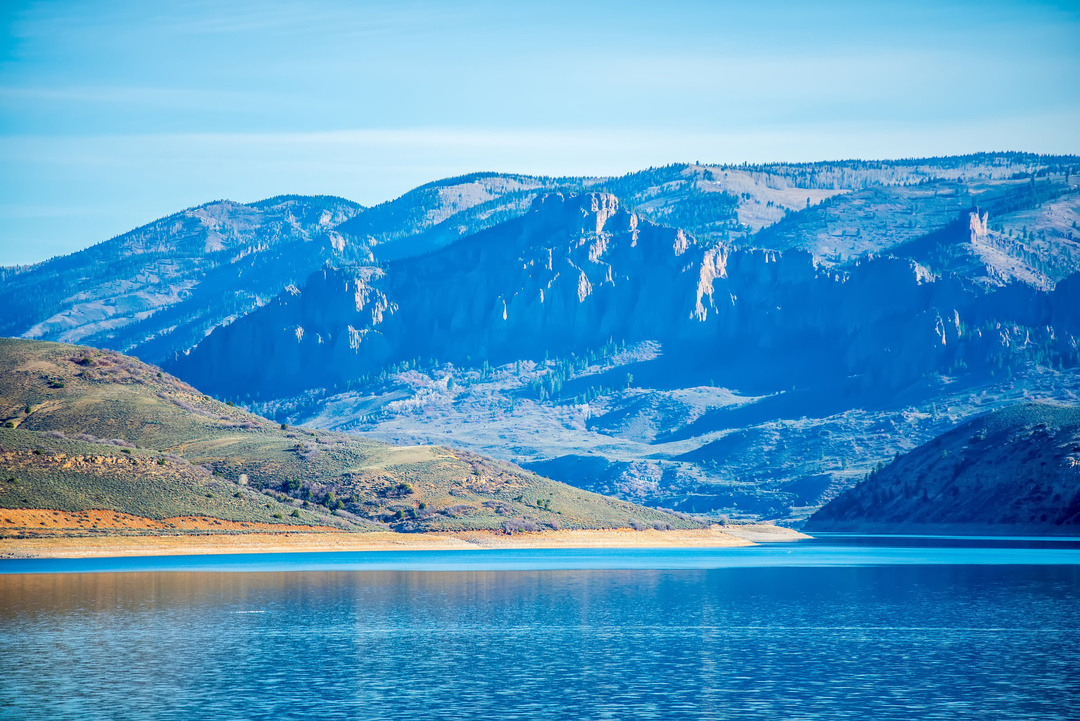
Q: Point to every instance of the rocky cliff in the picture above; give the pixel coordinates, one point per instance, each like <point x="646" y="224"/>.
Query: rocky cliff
<point x="580" y="269"/>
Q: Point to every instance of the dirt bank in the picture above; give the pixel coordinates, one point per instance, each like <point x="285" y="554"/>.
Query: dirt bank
<point x="285" y="539"/>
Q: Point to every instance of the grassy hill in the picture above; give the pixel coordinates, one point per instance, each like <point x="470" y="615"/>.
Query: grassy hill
<point x="90" y="430"/>
<point x="1014" y="470"/>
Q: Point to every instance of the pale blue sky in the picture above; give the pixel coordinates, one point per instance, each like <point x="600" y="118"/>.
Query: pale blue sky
<point x="116" y="113"/>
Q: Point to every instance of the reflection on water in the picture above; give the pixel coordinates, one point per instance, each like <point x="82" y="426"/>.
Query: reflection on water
<point x="883" y="642"/>
<point x="831" y="550"/>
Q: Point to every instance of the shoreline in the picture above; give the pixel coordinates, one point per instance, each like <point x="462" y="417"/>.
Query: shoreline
<point x="330" y="541"/>
<point x="988" y="530"/>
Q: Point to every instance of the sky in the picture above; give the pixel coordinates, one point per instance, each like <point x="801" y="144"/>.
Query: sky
<point x="115" y="113"/>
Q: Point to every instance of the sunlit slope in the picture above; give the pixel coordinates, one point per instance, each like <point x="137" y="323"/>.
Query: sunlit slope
<point x="90" y="429"/>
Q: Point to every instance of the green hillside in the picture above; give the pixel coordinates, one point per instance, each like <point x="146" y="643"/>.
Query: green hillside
<point x="90" y="429"/>
<point x="1016" y="470"/>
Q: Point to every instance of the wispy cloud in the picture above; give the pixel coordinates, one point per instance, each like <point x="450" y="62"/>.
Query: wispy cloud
<point x="141" y="108"/>
<point x="145" y="96"/>
<point x="1057" y="127"/>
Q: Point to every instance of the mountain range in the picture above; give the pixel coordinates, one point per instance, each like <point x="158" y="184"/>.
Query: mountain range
<point x="746" y="341"/>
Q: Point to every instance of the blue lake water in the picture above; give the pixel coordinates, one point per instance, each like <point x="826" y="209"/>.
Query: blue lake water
<point x="840" y="627"/>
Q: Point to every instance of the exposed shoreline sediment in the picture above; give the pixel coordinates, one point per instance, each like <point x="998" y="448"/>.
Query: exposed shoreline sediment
<point x="322" y="541"/>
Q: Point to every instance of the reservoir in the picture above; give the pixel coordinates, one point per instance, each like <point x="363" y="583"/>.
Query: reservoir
<point x="836" y="627"/>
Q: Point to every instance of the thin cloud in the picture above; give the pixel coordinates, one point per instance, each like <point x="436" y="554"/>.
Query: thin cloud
<point x="135" y="96"/>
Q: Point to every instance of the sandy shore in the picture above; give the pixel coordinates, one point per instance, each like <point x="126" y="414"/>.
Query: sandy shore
<point x="44" y="522"/>
<point x="301" y="541"/>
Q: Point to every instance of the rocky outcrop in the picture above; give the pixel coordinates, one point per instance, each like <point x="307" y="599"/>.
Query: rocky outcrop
<point x="575" y="269"/>
<point x="578" y="269"/>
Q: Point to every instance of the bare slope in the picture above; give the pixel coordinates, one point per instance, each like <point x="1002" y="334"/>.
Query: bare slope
<point x="1016" y="469"/>
<point x="95" y="430"/>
